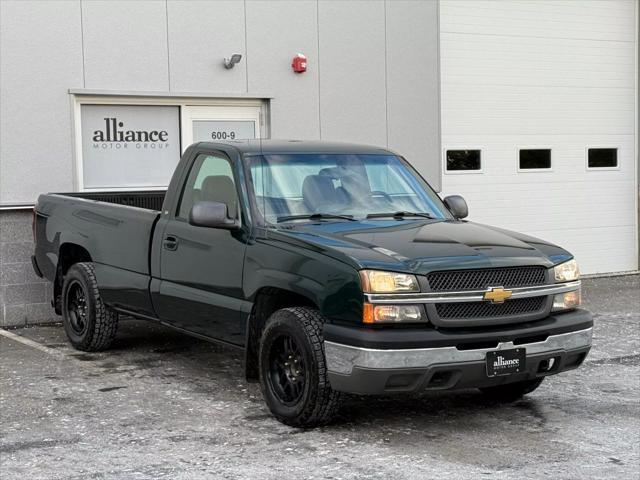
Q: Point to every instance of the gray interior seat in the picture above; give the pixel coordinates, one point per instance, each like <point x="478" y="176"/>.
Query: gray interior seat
<point x="318" y="190"/>
<point x="220" y="188"/>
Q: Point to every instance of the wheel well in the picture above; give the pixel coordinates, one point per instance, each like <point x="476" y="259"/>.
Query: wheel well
<point x="268" y="300"/>
<point x="69" y="254"/>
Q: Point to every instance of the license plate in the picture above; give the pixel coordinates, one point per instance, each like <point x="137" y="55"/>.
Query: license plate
<point x="506" y="362"/>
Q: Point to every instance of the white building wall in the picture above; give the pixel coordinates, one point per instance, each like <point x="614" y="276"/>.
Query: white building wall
<point x="125" y="45"/>
<point x="409" y="68"/>
<point x="271" y="40"/>
<point x="35" y="112"/>
<point x="352" y="69"/>
<point x="354" y="88"/>
<point x="199" y="33"/>
<point x="547" y="74"/>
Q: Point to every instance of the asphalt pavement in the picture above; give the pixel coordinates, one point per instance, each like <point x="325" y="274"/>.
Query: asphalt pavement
<point x="164" y="405"/>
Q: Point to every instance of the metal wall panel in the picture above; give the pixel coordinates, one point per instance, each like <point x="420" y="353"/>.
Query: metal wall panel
<point x="413" y="90"/>
<point x="125" y="45"/>
<point x="273" y="39"/>
<point x="352" y="71"/>
<point x="37" y="69"/>
<point x="201" y="35"/>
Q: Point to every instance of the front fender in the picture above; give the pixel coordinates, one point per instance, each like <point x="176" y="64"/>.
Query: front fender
<point x="333" y="286"/>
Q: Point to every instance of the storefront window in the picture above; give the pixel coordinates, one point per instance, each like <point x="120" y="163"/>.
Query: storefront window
<point x="129" y="146"/>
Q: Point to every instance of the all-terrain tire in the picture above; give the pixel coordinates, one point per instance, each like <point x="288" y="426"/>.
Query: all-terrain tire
<point x="511" y="392"/>
<point x="89" y="324"/>
<point x="317" y="403"/>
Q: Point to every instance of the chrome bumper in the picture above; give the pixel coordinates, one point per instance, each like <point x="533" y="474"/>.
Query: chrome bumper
<point x="342" y="359"/>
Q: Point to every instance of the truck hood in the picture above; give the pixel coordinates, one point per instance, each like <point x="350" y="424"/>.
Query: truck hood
<point x="420" y="246"/>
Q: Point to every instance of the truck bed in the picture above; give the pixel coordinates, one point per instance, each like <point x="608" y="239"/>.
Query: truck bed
<point x="150" y="200"/>
<point x="114" y="228"/>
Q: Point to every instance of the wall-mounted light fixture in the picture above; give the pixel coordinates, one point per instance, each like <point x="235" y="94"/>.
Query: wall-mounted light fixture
<point x="230" y="62"/>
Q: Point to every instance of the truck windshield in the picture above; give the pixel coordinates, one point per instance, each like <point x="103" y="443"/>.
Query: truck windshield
<point x="295" y="187"/>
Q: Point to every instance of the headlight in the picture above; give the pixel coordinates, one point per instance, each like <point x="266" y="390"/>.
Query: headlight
<point x="376" y="281"/>
<point x="567" y="271"/>
<point x="567" y="300"/>
<point x="392" y="314"/>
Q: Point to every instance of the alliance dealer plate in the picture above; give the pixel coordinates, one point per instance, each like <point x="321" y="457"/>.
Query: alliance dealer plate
<point x="506" y="362"/>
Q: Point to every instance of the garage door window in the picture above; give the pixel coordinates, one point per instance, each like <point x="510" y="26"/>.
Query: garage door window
<point x="463" y="161"/>
<point x="598" y="158"/>
<point x="534" y="159"/>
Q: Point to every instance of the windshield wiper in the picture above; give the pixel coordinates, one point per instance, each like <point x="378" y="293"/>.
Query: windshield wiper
<point x="314" y="216"/>
<point x="400" y="214"/>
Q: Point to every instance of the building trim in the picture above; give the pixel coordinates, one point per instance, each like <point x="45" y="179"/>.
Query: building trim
<point x="637" y="134"/>
<point x="441" y="166"/>
<point x="194" y="95"/>
<point x="16" y="206"/>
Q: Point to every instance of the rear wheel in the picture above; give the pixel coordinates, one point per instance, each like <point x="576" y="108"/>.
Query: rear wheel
<point x="511" y="392"/>
<point x="293" y="373"/>
<point x="89" y="324"/>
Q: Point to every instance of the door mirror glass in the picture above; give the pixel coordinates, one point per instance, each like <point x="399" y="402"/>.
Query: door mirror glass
<point x="457" y="206"/>
<point x="212" y="215"/>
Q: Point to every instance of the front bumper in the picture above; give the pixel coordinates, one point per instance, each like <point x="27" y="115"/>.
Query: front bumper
<point x="363" y="370"/>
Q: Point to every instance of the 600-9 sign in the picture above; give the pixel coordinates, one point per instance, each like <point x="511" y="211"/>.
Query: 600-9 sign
<point x="223" y="135"/>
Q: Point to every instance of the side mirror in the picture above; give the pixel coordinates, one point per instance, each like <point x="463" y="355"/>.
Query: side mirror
<point x="212" y="215"/>
<point x="457" y="205"/>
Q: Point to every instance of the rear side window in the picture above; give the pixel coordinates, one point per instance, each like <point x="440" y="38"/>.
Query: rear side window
<point x="210" y="179"/>
<point x="534" y="159"/>
<point x="602" y="157"/>
<point x="463" y="160"/>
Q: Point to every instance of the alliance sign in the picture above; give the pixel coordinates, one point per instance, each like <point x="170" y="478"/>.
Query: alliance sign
<point x="129" y="146"/>
<point x="112" y="134"/>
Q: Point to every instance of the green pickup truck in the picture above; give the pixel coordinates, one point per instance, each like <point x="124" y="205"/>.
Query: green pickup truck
<point x="335" y="267"/>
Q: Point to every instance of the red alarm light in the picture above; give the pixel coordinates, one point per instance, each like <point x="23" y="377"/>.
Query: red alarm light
<point x="299" y="63"/>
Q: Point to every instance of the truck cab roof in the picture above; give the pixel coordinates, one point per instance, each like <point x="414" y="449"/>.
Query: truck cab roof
<point x="260" y="146"/>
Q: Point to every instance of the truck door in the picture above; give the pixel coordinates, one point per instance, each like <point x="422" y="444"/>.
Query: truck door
<point x="200" y="267"/>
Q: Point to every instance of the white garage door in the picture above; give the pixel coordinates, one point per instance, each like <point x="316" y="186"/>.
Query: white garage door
<point x="528" y="88"/>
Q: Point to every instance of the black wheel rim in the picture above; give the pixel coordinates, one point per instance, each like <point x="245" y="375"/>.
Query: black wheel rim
<point x="77" y="308"/>
<point x="287" y="372"/>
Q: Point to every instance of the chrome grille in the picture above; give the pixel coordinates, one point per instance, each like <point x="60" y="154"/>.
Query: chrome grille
<point x="480" y="279"/>
<point x="488" y="310"/>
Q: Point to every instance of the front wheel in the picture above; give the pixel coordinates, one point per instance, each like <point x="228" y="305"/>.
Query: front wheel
<point x="293" y="373"/>
<point x="90" y="325"/>
<point x="511" y="392"/>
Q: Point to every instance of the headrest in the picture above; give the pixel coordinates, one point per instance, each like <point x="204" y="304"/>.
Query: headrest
<point x="317" y="189"/>
<point x="220" y="188"/>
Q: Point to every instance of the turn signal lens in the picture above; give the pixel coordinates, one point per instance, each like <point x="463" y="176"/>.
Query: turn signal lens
<point x="567" y="271"/>
<point x="567" y="301"/>
<point x="391" y="313"/>
<point x="376" y="281"/>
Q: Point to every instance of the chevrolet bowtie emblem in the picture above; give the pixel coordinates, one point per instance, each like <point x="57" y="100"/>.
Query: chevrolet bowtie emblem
<point x="497" y="295"/>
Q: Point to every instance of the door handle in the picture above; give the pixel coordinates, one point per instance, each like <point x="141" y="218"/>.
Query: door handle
<point x="170" y="242"/>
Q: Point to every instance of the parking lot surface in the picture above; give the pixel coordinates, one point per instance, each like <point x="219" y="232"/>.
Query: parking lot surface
<point x="163" y="405"/>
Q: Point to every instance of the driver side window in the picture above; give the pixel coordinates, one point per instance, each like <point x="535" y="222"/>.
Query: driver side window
<point x="210" y="180"/>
